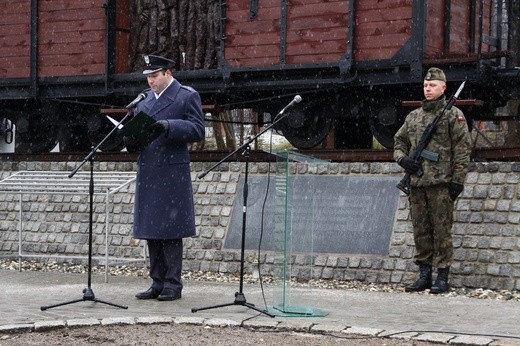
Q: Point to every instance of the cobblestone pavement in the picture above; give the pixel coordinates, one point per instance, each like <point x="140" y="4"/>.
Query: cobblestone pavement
<point x="443" y="319"/>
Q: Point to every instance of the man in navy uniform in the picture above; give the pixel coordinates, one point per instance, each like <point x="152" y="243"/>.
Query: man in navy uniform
<point x="164" y="208"/>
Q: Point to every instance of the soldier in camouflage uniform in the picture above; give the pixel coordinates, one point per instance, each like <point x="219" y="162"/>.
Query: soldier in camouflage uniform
<point x="433" y="194"/>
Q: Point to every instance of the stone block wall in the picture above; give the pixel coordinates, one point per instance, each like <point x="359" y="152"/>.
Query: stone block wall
<point x="486" y="230"/>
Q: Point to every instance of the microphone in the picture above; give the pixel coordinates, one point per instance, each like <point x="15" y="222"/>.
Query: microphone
<point x="138" y="99"/>
<point x="297" y="99"/>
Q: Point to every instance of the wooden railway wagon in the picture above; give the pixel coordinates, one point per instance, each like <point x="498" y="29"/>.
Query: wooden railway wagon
<point x="354" y="62"/>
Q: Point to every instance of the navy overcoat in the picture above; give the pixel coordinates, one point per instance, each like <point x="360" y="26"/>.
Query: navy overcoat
<point x="164" y="207"/>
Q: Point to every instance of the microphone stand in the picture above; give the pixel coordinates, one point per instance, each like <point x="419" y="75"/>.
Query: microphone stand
<point x="245" y="149"/>
<point x="88" y="293"/>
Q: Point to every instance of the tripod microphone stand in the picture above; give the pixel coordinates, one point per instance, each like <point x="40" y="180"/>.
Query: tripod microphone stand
<point x="245" y="149"/>
<point x="88" y="293"/>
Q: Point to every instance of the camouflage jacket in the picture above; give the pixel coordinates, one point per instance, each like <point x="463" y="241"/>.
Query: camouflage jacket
<point x="451" y="141"/>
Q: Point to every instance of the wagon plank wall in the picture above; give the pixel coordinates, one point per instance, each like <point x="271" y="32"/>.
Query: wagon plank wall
<point x="486" y="23"/>
<point x="15" y="38"/>
<point x="253" y="42"/>
<point x="433" y="43"/>
<point x="459" y="29"/>
<point x="382" y="28"/>
<point x="123" y="30"/>
<point x="316" y="31"/>
<point x="71" y="38"/>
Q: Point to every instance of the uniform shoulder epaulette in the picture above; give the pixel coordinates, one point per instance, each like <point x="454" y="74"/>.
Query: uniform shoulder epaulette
<point x="188" y="88"/>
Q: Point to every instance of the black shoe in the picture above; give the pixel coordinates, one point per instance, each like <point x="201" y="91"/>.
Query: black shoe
<point x="424" y="282"/>
<point x="169" y="294"/>
<point x="441" y="284"/>
<point x="151" y="293"/>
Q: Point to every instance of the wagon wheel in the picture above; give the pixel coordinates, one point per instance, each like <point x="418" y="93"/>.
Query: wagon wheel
<point x="352" y="133"/>
<point x="384" y="123"/>
<point x="98" y="128"/>
<point x="306" y="127"/>
<point x="36" y="131"/>
<point x="74" y="138"/>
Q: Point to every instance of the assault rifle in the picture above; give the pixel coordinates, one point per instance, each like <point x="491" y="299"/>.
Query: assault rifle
<point x="420" y="151"/>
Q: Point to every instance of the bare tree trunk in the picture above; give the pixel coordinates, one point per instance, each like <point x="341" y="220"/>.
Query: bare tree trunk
<point x="217" y="133"/>
<point x="186" y="31"/>
<point x="212" y="19"/>
<point x="201" y="33"/>
<point x="183" y="22"/>
<point x="143" y="11"/>
<point x="163" y="28"/>
<point x="153" y="41"/>
<point x="256" y="129"/>
<point x="231" y="143"/>
<point x="240" y="119"/>
<point x="191" y="36"/>
<point x="175" y="32"/>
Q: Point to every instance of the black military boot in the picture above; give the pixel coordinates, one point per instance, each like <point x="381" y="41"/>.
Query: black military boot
<point x="441" y="282"/>
<point x="424" y="281"/>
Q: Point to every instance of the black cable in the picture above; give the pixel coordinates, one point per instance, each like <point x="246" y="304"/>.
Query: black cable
<point x="84" y="103"/>
<point x="234" y="122"/>
<point x="251" y="317"/>
<point x="262" y="222"/>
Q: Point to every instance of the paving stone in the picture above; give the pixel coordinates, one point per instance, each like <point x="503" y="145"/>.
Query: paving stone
<point x="398" y="334"/>
<point x="48" y="325"/>
<point x="471" y="340"/>
<point x="222" y="322"/>
<point x="16" y="328"/>
<point x="189" y="320"/>
<point x="260" y="323"/>
<point x="505" y="342"/>
<point x="328" y="328"/>
<point x="435" y="337"/>
<point x="154" y="319"/>
<point x="83" y="322"/>
<point x="117" y="321"/>
<point x="295" y="325"/>
<point x="363" y="331"/>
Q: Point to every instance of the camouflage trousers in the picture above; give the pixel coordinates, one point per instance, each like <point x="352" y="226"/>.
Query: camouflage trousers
<point x="431" y="209"/>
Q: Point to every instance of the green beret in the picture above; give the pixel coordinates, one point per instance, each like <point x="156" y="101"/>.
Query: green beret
<point x="435" y="73"/>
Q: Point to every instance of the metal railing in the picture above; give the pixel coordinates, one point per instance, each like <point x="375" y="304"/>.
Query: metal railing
<point x="58" y="183"/>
